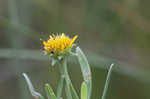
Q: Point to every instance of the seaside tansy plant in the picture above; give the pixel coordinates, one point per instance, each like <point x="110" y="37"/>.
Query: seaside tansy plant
<point x="59" y="47"/>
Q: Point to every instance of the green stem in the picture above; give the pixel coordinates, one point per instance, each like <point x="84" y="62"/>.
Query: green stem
<point x="60" y="87"/>
<point x="107" y="82"/>
<point x="64" y="72"/>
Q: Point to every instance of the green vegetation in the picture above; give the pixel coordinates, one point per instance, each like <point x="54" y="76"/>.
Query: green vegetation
<point x="109" y="32"/>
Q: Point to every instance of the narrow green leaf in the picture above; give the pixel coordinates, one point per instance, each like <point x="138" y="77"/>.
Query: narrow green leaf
<point x="50" y="92"/>
<point x="31" y="88"/>
<point x="107" y="82"/>
<point x="84" y="91"/>
<point x="85" y="68"/>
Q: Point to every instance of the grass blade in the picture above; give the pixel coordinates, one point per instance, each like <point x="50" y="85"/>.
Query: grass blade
<point x="122" y="68"/>
<point x="85" y="68"/>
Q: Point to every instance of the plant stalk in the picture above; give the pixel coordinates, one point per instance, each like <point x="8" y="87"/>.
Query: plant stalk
<point x="64" y="72"/>
<point x="60" y="87"/>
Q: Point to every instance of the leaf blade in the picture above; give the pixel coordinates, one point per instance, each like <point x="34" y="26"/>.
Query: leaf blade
<point x="50" y="92"/>
<point x="84" y="91"/>
<point x="85" y="68"/>
<point x="31" y="88"/>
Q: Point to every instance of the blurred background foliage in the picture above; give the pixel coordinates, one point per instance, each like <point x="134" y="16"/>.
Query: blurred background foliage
<point x="109" y="31"/>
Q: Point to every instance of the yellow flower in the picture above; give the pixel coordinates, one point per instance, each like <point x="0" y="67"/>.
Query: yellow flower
<point x="57" y="44"/>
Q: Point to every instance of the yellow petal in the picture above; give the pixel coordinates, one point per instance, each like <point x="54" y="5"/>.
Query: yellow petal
<point x="74" y="38"/>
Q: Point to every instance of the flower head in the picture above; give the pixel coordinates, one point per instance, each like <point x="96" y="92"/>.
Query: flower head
<point x="58" y="44"/>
